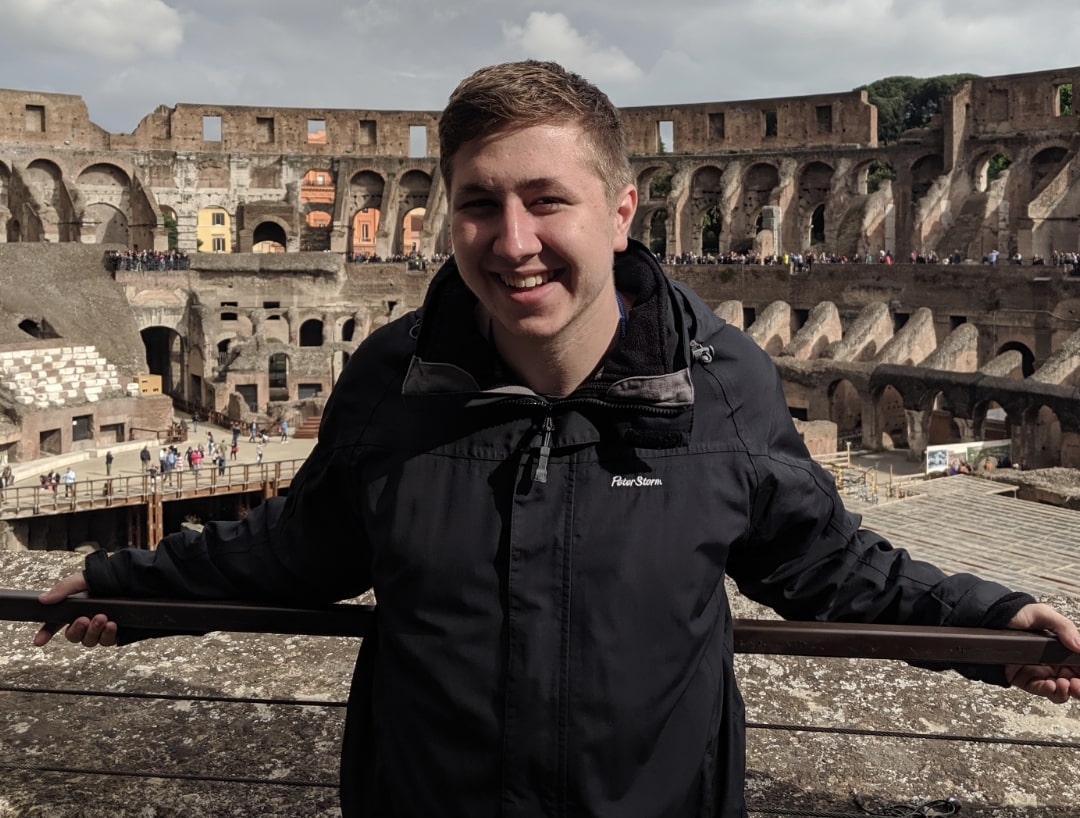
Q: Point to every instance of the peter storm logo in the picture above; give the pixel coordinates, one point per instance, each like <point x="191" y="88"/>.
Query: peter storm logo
<point x="636" y="481"/>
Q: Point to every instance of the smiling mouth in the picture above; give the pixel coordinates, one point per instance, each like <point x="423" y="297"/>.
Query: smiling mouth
<point x="527" y="282"/>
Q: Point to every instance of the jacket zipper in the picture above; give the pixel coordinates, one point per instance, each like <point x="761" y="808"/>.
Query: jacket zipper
<point x="540" y="470"/>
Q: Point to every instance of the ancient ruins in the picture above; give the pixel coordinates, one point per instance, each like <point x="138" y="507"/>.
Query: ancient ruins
<point x="241" y="254"/>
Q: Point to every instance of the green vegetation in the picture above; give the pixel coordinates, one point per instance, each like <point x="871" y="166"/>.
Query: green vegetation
<point x="1065" y="99"/>
<point x="997" y="165"/>
<point x="878" y="173"/>
<point x="660" y="184"/>
<point x="909" y="102"/>
<point x="168" y="218"/>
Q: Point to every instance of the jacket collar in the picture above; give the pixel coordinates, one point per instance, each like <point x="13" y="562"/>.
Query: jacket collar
<point x="649" y="366"/>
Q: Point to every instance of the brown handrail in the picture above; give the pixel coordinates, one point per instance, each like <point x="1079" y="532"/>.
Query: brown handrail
<point x="836" y="639"/>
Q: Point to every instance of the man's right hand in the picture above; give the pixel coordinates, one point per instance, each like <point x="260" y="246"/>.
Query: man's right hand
<point x="91" y="632"/>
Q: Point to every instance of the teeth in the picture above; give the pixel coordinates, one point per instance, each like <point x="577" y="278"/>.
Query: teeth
<point x="526" y="282"/>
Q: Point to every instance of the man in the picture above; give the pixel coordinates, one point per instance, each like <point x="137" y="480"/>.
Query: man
<point x="69" y="481"/>
<point x="545" y="473"/>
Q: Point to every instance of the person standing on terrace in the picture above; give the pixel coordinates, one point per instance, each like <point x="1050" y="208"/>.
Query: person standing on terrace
<point x="545" y="473"/>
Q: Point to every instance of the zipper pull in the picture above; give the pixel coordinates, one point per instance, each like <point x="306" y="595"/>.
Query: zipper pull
<point x="702" y="353"/>
<point x="540" y="470"/>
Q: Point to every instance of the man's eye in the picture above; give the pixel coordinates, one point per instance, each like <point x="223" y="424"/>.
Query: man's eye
<point x="476" y="204"/>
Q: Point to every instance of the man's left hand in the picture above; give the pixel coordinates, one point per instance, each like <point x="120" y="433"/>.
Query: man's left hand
<point x="1058" y="684"/>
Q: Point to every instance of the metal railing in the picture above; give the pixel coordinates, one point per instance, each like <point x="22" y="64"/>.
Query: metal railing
<point x="909" y="643"/>
<point x="905" y="643"/>
<point x="131" y="489"/>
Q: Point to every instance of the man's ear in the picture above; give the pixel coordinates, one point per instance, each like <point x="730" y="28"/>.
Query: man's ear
<point x="625" y="208"/>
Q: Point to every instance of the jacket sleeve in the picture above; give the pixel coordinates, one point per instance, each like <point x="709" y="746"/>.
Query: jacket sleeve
<point x="305" y="549"/>
<point x="808" y="558"/>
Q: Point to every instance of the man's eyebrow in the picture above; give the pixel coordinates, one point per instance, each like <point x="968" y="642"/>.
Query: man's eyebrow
<point x="540" y="183"/>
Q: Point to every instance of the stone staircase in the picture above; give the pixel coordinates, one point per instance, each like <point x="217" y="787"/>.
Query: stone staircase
<point x="309" y="429"/>
<point x="55" y="376"/>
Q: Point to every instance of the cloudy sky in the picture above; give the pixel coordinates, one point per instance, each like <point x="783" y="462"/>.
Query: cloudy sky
<point x="126" y="57"/>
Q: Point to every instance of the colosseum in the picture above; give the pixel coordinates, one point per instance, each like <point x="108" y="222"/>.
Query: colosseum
<point x="241" y="253"/>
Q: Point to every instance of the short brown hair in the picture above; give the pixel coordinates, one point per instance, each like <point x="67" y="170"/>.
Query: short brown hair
<point x="521" y="94"/>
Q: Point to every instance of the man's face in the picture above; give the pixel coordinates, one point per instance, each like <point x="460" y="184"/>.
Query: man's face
<point x="534" y="233"/>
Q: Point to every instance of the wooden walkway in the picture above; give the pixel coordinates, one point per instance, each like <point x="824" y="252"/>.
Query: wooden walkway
<point x="968" y="524"/>
<point x="21" y="502"/>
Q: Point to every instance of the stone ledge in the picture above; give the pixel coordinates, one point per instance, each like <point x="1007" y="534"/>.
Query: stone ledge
<point x="786" y="769"/>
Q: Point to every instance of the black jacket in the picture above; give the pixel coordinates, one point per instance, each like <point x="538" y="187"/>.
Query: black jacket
<point x="554" y="635"/>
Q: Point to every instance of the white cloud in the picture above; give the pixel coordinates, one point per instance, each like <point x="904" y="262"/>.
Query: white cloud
<point x="372" y="14"/>
<point x="124" y="57"/>
<point x="105" y="29"/>
<point x="552" y="37"/>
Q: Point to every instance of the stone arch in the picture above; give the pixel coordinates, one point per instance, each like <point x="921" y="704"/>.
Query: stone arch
<point x="924" y="171"/>
<point x="1027" y="356"/>
<point x="108" y="223"/>
<point x="412" y="228"/>
<point x="658" y="231"/>
<point x="817" y="227"/>
<point x="269" y="236"/>
<point x="1045" y="165"/>
<point x="106" y="190"/>
<point x="348" y="330"/>
<point x="891" y="417"/>
<point x="311" y="333"/>
<point x="760" y="184"/>
<point x="845" y="410"/>
<point x="704" y="210"/>
<point x="166" y="355"/>
<point x="990" y="421"/>
<point x="649" y="204"/>
<point x="45" y="180"/>
<point x="223" y="351"/>
<point x="942" y="427"/>
<point x="277" y="370"/>
<point x="170" y="222"/>
<point x="318" y="192"/>
<point x="414" y="189"/>
<point x="989" y="167"/>
<point x="103" y="175"/>
<point x="366" y="190"/>
<point x="814" y="186"/>
<point x="1042" y="438"/>
<point x="869" y="175"/>
<point x="654" y="183"/>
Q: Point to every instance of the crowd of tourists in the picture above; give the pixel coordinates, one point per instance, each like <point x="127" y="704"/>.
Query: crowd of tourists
<point x="719" y="258"/>
<point x="1070" y="260"/>
<point x="415" y="261"/>
<point x="147" y="260"/>
<point x="156" y="261"/>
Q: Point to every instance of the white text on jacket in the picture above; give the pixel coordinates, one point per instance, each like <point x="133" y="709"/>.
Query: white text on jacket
<point x="618" y="481"/>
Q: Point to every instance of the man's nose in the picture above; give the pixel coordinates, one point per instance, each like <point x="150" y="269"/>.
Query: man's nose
<point x="517" y="238"/>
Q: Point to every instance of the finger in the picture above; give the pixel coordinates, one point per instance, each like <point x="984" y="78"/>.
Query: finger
<point x="46" y="633"/>
<point x="76" y="631"/>
<point x="99" y="631"/>
<point x="73" y="584"/>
